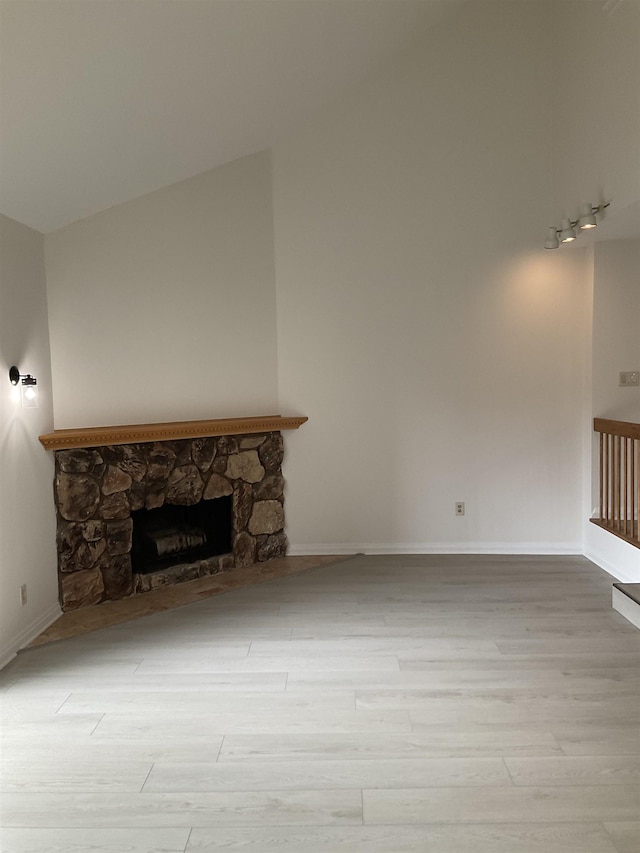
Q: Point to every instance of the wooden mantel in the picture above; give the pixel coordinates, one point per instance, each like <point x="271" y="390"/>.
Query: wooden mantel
<point x="65" y="439"/>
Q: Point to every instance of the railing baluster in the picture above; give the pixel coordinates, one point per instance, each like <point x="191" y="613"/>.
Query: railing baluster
<point x="618" y="473"/>
<point x="636" y="512"/>
<point x="601" y="475"/>
<point x="610" y="485"/>
<point x="625" y="485"/>
<point x="605" y="515"/>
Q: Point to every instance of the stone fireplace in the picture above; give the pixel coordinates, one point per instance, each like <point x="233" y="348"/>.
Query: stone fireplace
<point x="99" y="490"/>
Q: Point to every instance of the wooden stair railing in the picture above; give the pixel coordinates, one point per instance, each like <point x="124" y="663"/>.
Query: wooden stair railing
<point x="619" y="478"/>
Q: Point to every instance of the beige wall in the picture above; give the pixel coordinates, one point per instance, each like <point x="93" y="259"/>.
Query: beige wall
<point x="163" y="308"/>
<point x="438" y="351"/>
<point x="27" y="516"/>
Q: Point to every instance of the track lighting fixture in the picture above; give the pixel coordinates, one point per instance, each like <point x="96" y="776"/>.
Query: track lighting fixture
<point x="567" y="231"/>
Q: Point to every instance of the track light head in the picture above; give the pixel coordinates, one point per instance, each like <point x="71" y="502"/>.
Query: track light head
<point x="552" y="241"/>
<point x="588" y="217"/>
<point x="567" y="234"/>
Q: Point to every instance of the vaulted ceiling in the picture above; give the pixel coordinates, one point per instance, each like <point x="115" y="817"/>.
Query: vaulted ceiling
<point x="106" y="100"/>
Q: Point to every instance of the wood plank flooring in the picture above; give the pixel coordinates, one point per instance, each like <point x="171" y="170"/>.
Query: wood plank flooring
<point x="375" y="705"/>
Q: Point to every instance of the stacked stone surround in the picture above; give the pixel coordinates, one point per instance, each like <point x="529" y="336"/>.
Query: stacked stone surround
<point x="97" y="489"/>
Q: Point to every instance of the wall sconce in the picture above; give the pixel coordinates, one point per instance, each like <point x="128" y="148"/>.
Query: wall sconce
<point x="28" y="387"/>
<point x="567" y="231"/>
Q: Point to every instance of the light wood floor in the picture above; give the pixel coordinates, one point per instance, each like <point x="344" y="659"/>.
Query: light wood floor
<point x="376" y="705"/>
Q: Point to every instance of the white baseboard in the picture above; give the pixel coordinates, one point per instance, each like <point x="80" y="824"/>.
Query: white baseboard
<point x="532" y="548"/>
<point x="626" y="607"/>
<point x="321" y="550"/>
<point x="33" y="630"/>
<point x="617" y="557"/>
<point x="614" y="569"/>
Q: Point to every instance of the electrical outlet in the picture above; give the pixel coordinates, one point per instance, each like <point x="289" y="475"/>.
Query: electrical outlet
<point x="459" y="507"/>
<point x="629" y="377"/>
<point x="23" y="594"/>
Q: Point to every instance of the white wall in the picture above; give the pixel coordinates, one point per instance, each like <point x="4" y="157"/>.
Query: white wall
<point x="437" y="350"/>
<point x="163" y="308"/>
<point x="597" y="158"/>
<point x="597" y="104"/>
<point x="616" y="328"/>
<point x="615" y="347"/>
<point x="27" y="517"/>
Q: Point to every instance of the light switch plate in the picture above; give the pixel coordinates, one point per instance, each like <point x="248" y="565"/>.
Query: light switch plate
<point x="629" y="377"/>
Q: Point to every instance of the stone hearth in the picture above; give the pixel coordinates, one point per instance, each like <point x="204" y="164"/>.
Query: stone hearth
<point x="97" y="489"/>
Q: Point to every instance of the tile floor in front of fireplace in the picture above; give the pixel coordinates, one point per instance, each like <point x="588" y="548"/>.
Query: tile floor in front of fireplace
<point x="376" y="705"/>
<point x="76" y="622"/>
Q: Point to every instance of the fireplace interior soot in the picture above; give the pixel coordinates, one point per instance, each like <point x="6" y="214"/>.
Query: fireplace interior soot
<point x="175" y="534"/>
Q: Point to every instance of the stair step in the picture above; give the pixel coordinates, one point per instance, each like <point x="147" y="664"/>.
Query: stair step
<point x="626" y="600"/>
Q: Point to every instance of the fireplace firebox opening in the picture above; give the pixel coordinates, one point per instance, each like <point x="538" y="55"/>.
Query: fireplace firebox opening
<point x="173" y="534"/>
